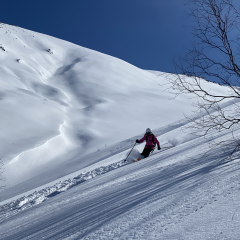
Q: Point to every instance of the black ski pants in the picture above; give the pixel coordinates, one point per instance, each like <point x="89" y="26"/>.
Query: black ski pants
<point x="146" y="152"/>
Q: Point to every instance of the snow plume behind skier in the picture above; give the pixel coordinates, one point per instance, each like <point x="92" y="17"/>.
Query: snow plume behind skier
<point x="151" y="142"/>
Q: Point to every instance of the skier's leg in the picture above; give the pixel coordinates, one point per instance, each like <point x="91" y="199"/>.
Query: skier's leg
<point x="144" y="152"/>
<point x="147" y="152"/>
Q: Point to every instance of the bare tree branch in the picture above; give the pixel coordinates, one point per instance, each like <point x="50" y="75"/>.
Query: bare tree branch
<point x="214" y="55"/>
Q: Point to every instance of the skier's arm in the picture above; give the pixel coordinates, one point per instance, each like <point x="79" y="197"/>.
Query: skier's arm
<point x="156" y="141"/>
<point x="142" y="140"/>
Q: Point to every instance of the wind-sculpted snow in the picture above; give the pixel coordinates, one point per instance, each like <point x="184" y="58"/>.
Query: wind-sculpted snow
<point x="23" y="203"/>
<point x="70" y="115"/>
<point x="58" y="98"/>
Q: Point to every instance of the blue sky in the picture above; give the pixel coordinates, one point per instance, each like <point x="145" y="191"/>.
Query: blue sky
<point x="145" y="33"/>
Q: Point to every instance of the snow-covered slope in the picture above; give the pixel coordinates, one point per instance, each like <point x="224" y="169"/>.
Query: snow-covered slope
<point x="178" y="193"/>
<point x="60" y="101"/>
<point x="69" y="117"/>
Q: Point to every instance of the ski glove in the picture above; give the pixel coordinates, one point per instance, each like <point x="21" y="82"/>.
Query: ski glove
<point x="137" y="141"/>
<point x="159" y="148"/>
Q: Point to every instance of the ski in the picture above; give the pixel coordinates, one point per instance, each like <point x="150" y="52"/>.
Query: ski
<point x="139" y="159"/>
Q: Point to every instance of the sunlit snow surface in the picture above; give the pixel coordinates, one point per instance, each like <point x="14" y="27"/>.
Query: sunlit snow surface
<point x="58" y="106"/>
<point x="70" y="116"/>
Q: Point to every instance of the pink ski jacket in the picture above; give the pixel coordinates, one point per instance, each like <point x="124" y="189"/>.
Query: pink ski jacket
<point x="151" y="141"/>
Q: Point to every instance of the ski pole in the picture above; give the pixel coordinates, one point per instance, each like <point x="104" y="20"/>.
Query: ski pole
<point x="130" y="152"/>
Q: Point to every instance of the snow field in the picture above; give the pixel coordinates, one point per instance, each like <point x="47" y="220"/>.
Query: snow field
<point x="61" y="102"/>
<point x="142" y="200"/>
<point x="69" y="117"/>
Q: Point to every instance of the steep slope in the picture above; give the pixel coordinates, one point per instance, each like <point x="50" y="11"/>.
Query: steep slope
<point x="69" y="117"/>
<point x="60" y="102"/>
<point x="177" y="194"/>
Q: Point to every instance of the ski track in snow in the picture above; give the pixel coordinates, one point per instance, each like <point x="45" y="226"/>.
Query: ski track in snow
<point x="161" y="184"/>
<point x="162" y="212"/>
<point x="143" y="200"/>
<point x="9" y="209"/>
<point x="165" y="196"/>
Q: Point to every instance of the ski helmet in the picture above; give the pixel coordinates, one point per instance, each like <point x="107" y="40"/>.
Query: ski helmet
<point x="148" y="130"/>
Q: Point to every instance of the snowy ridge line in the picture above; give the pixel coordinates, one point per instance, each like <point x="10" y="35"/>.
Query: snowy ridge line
<point x="9" y="209"/>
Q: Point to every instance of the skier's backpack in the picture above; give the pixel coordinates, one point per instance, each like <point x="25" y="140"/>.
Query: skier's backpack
<point x="153" y="136"/>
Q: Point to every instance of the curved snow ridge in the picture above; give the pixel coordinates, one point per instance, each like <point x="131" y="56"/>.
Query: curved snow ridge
<point x="9" y="209"/>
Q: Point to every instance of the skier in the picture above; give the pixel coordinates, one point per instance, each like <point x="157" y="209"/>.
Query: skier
<point x="151" y="142"/>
